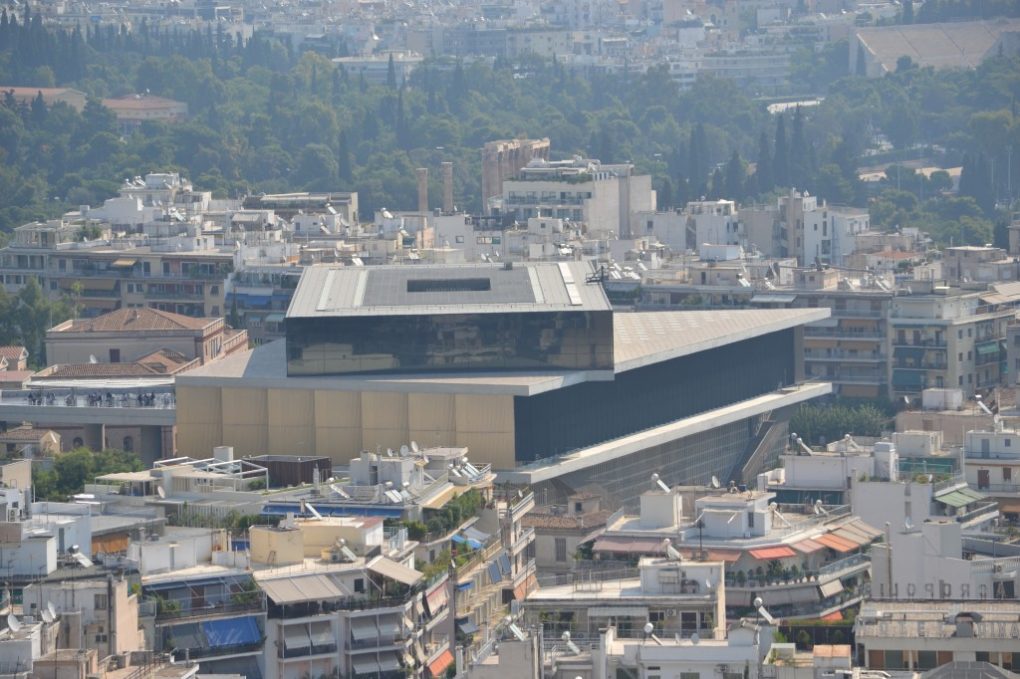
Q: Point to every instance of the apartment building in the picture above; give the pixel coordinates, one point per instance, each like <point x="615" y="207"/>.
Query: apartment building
<point x="376" y="68"/>
<point x="850" y="348"/>
<point x="812" y="561"/>
<point x="946" y="338"/>
<point x="991" y="464"/>
<point x="182" y="275"/>
<point x="601" y="196"/>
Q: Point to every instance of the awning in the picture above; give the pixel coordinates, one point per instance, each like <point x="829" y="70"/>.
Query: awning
<point x="389" y="662"/>
<point x="769" y="553"/>
<point x="807" y="546"/>
<point x="851" y="535"/>
<point x="625" y="545"/>
<point x="363" y="629"/>
<point x="389" y="629"/>
<point x="440" y="664"/>
<point x="436" y="599"/>
<point x="729" y="556"/>
<point x="835" y="542"/>
<point x="321" y="634"/>
<point x="296" y="636"/>
<point x="232" y="632"/>
<point x="987" y="348"/>
<point x="395" y="571"/>
<point x="300" y="589"/>
<point x="123" y="263"/>
<point x="467" y="627"/>
<point x="835" y="616"/>
<point x="365" y="666"/>
<point x="475" y="534"/>
<point x="830" y="588"/>
<point x="907" y="378"/>
<point x="863" y="528"/>
<point x="773" y="299"/>
<point x="274" y="318"/>
<point x="916" y="353"/>
<point x="960" y="497"/>
<point x="618" y="612"/>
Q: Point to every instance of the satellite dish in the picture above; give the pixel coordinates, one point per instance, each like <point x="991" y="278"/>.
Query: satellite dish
<point x="404" y="450"/>
<point x="50" y="609"/>
<point x="47" y="617"/>
<point x="160" y="492"/>
<point x="570" y="644"/>
<point x="695" y="638"/>
<point x="414" y="446"/>
<point x="93" y="359"/>
<point x="760" y="606"/>
<point x="13" y="623"/>
<point x="649" y="628"/>
<point x="715" y="482"/>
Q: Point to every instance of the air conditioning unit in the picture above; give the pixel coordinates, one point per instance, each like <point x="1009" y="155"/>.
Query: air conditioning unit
<point x="997" y="568"/>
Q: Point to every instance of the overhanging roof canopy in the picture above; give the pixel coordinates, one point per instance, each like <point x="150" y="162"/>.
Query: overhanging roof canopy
<point x="304" y="588"/>
<point x="389" y="568"/>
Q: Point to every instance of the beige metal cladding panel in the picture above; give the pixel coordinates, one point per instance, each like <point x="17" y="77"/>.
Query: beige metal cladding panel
<point x="198" y="405"/>
<point x="246" y="419"/>
<point x="485" y="424"/>
<point x="338" y="424"/>
<point x="384" y="419"/>
<point x="432" y="419"/>
<point x="291" y="421"/>
<point x="199" y="420"/>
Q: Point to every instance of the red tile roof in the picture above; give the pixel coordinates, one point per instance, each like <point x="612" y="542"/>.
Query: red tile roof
<point x="138" y="320"/>
<point x="23" y="434"/>
<point x="98" y="371"/>
<point x="13" y="352"/>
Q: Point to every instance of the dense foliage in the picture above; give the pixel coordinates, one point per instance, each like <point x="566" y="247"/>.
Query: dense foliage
<point x="72" y="470"/>
<point x="818" y="424"/>
<point x="265" y="118"/>
<point x="25" y="317"/>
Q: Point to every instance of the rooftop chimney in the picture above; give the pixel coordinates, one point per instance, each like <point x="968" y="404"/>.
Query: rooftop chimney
<point x="423" y="189"/>
<point x="447" y="187"/>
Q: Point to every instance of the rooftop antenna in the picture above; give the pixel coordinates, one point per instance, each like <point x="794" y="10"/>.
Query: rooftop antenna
<point x="657" y="481"/>
<point x="570" y="644"/>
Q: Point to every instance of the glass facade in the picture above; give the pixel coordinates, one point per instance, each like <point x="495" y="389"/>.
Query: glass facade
<point x="565" y="340"/>
<point x="582" y="415"/>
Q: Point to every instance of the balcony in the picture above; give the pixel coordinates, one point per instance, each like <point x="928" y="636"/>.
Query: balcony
<point x="836" y="333"/>
<point x="926" y="342"/>
<point x="940" y="365"/>
<point x="857" y="313"/>
<point x="306" y="651"/>
<point x="218" y="651"/>
<point x="844" y="357"/>
<point x="166" y="614"/>
<point x="999" y="488"/>
<point x="172" y="294"/>
<point x="524" y="538"/>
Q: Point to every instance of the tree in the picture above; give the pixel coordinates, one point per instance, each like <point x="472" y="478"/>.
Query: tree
<point x="735" y="177"/>
<point x="763" y="167"/>
<point x="72" y="470"/>
<point x="907" y="15"/>
<point x="391" y="74"/>
<point x="781" y="159"/>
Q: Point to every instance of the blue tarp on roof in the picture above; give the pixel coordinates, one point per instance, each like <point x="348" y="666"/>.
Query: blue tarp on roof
<point x="232" y="632"/>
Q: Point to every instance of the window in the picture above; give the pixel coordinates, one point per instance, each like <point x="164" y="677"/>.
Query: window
<point x="750" y="519"/>
<point x="214" y="290"/>
<point x="459" y="239"/>
<point x="577" y="507"/>
<point x="129" y="444"/>
<point x="359" y="584"/>
<point x="1008" y="442"/>
<point x="101" y="602"/>
<point x="1007" y="473"/>
<point x="561" y="549"/>
<point x="656" y="616"/>
<point x="114" y="355"/>
<point x="690" y="675"/>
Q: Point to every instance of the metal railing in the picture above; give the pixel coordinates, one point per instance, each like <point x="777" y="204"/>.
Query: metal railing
<point x="176" y="614"/>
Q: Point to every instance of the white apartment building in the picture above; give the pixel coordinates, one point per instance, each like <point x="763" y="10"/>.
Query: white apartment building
<point x="991" y="464"/>
<point x="600" y="196"/>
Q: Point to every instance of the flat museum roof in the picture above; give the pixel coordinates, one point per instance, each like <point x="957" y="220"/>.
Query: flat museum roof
<point x="327" y="291"/>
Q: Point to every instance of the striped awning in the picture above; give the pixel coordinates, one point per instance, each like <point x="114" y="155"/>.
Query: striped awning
<point x="769" y="553"/>
<point x="626" y="545"/>
<point x="807" y="546"/>
<point x="835" y="542"/>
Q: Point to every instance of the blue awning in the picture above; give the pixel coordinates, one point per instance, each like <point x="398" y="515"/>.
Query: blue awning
<point x="232" y="632"/>
<point x="466" y="585"/>
<point x="459" y="539"/>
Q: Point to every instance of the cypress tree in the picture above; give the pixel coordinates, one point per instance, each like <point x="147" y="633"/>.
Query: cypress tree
<point x="798" y="151"/>
<point x="763" y="166"/>
<point x="781" y="158"/>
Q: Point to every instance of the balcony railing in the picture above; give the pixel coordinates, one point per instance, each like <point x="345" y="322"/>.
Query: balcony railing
<point x="305" y="651"/>
<point x="926" y="342"/>
<point x="850" y="562"/>
<point x="235" y="649"/>
<point x="164" y="614"/>
<point x="996" y="487"/>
